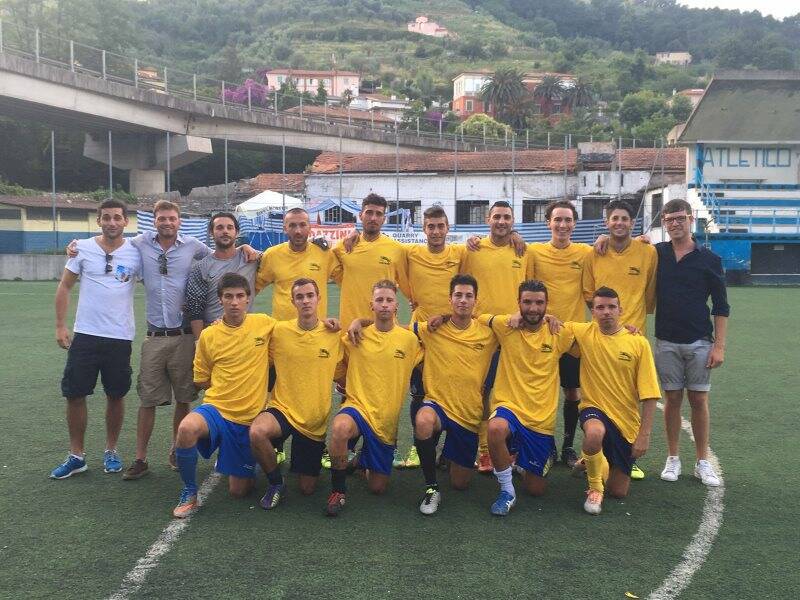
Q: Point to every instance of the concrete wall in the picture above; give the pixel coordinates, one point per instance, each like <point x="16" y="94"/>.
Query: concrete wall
<point x="31" y="267"/>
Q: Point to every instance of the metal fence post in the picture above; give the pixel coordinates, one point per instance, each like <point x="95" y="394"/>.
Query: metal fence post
<point x="223" y="103"/>
<point x="440" y="127"/>
<point x="194" y="86"/>
<point x="371" y="120"/>
<point x="301" y="107"/>
<point x="325" y="111"/>
<point x="72" y="56"/>
<point x="169" y="187"/>
<point x="166" y="81"/>
<point x="527" y="139"/>
<point x="53" y="186"/>
<point x="110" y="168"/>
<point x="226" y="173"/>
<point x="103" y="55"/>
<point x="1" y="35"/>
<point x="276" y="103"/>
<point x="136" y="72"/>
<point x="349" y="119"/>
<point x="36" y="41"/>
<point x="249" y="98"/>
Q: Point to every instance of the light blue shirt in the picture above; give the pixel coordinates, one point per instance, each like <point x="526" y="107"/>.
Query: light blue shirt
<point x="165" y="293"/>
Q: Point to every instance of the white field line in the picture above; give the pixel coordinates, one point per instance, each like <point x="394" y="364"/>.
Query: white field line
<point x="695" y="554"/>
<point x="135" y="578"/>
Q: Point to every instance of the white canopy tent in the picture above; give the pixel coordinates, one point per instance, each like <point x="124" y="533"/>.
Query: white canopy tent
<point x="268" y="201"/>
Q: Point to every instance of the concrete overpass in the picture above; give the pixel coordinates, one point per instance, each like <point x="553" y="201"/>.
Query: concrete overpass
<point x="139" y="117"/>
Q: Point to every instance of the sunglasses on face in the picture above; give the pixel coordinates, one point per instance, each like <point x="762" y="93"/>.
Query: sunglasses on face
<point x="109" y="268"/>
<point x="162" y="263"/>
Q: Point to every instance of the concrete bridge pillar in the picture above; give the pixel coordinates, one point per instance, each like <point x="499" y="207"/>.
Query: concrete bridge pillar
<point x="145" y="156"/>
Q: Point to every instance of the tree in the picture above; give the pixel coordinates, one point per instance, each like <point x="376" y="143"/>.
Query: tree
<point x="471" y="48"/>
<point x="680" y="108"/>
<point x="578" y="94"/>
<point x="322" y="94"/>
<point x="549" y="90"/>
<point x="502" y="90"/>
<point x="640" y="106"/>
<point x="476" y="125"/>
<point x="347" y="97"/>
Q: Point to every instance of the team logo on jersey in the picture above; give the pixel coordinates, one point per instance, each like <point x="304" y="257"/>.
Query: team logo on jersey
<point x="451" y="263"/>
<point x="633" y="271"/>
<point x="546" y="348"/>
<point x="575" y="265"/>
<point x="478" y="346"/>
<point x="385" y="260"/>
<point x="399" y="354"/>
<point x="314" y="267"/>
<point x="516" y="264"/>
<point x="323" y="353"/>
<point x="625" y="356"/>
<point x="259" y="341"/>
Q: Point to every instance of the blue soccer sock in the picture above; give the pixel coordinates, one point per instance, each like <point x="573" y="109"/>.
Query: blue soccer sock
<point x="187" y="466"/>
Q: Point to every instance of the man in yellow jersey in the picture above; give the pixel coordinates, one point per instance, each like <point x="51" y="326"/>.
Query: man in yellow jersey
<point x="230" y="363"/>
<point x="618" y="374"/>
<point x="378" y="370"/>
<point x="559" y="265"/>
<point x="373" y="257"/>
<point x="499" y="272"/>
<point x="627" y="266"/>
<point x="457" y="357"/>
<point x="525" y="399"/>
<point x="305" y="352"/>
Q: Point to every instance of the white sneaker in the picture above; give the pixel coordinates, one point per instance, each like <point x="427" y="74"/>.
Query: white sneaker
<point x="594" y="502"/>
<point x="705" y="472"/>
<point x="431" y="501"/>
<point x="672" y="469"/>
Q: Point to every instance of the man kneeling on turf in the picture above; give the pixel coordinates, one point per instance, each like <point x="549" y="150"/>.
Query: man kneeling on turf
<point x="230" y="363"/>
<point x="618" y="374"/>
<point x="305" y="352"/>
<point x="378" y="371"/>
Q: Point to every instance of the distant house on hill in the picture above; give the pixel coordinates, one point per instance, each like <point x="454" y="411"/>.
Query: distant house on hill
<point x="693" y="94"/>
<point x="680" y="59"/>
<point x="386" y="106"/>
<point x="334" y="82"/>
<point x="423" y="26"/>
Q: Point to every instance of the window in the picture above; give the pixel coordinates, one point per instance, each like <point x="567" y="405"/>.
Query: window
<point x="415" y="206"/>
<point x="336" y="215"/>
<point x="347" y="81"/>
<point x="599" y="180"/>
<point x="556" y="109"/>
<point x="67" y="214"/>
<point x="655" y="210"/>
<point x="40" y="214"/>
<point x="469" y="106"/>
<point x="593" y="208"/>
<point x="584" y="181"/>
<point x="471" y="212"/>
<point x="533" y="211"/>
<point x="10" y="213"/>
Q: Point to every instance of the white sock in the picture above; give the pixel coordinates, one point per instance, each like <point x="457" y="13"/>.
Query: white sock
<point x="78" y="456"/>
<point x="505" y="479"/>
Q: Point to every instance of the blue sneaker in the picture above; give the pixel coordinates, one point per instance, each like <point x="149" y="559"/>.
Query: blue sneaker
<point x="72" y="465"/>
<point x="502" y="506"/>
<point x="187" y="504"/>
<point x="112" y="463"/>
<point x="273" y="496"/>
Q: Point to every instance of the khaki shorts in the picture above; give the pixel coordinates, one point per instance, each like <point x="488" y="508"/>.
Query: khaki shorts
<point x="165" y="370"/>
<point x="682" y="366"/>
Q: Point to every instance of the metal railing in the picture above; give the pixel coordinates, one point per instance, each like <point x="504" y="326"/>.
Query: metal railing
<point x="153" y="77"/>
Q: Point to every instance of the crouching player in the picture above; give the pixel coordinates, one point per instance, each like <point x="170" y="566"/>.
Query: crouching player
<point x="457" y="357"/>
<point x="305" y="352"/>
<point x="230" y="363"/>
<point x="525" y="400"/>
<point x="378" y="371"/>
<point x="617" y="375"/>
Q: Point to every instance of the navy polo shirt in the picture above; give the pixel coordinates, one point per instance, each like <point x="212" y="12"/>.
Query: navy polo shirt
<point x="682" y="291"/>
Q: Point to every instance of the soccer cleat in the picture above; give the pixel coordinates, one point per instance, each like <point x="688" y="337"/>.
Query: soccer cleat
<point x="485" y="463"/>
<point x="172" y="459"/>
<point x="594" y="502"/>
<point x="412" y="460"/>
<point x="503" y="505"/>
<point x="569" y="457"/>
<point x="672" y="469"/>
<point x="187" y="505"/>
<point x="397" y="462"/>
<point x="111" y="462"/>
<point x="431" y="501"/>
<point x="273" y="497"/>
<point x="636" y="472"/>
<point x="579" y="469"/>
<point x="280" y="456"/>
<point x="69" y="467"/>
<point x="137" y="470"/>
<point x="335" y="504"/>
<point x="705" y="473"/>
<point x="326" y="459"/>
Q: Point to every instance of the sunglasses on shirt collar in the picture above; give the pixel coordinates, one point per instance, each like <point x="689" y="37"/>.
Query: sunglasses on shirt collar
<point x="162" y="264"/>
<point x="109" y="268"/>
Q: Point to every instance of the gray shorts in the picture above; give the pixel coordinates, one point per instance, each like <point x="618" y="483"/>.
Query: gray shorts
<point x="683" y="366"/>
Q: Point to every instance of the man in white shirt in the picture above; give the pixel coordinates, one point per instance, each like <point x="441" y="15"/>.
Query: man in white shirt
<point x="108" y="266"/>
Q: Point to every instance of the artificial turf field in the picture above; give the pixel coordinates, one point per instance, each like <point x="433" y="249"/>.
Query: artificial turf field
<point x="78" y="538"/>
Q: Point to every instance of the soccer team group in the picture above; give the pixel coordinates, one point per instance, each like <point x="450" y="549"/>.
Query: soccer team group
<point x="497" y="328"/>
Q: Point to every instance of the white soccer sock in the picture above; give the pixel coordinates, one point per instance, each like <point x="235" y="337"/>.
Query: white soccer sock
<point x="505" y="479"/>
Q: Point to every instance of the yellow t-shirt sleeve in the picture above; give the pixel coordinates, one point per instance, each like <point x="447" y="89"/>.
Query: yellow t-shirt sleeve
<point x="337" y="271"/>
<point x="646" y="376"/>
<point x="265" y="274"/>
<point x="588" y="277"/>
<point x="202" y="365"/>
<point x="650" y="290"/>
<point x="530" y="270"/>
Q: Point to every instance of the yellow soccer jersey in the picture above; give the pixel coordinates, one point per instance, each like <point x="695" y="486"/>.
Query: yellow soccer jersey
<point x="359" y="270"/>
<point x="305" y="362"/>
<point x="429" y="277"/>
<point x="378" y="372"/>
<point x="234" y="360"/>
<point x="561" y="270"/>
<point x="281" y="266"/>
<point x="631" y="273"/>
<point x="527" y="380"/>
<point x="456" y="363"/>
<point x="499" y="271"/>
<point x="617" y="372"/>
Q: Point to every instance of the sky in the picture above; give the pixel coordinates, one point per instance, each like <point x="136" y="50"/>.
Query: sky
<point x="777" y="8"/>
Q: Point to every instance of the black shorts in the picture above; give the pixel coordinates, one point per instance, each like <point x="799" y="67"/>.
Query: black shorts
<point x="569" y="372"/>
<point x="306" y="453"/>
<point x="273" y="376"/>
<point x="416" y="387"/>
<point x="89" y="355"/>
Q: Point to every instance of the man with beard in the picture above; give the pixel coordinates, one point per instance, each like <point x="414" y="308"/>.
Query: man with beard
<point x="104" y="327"/>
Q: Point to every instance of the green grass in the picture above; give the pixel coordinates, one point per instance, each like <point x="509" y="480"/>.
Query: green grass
<point x="78" y="538"/>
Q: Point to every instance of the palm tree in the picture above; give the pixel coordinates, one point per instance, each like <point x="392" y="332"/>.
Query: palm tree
<point x="549" y="90"/>
<point x="578" y="94"/>
<point x="502" y="90"/>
